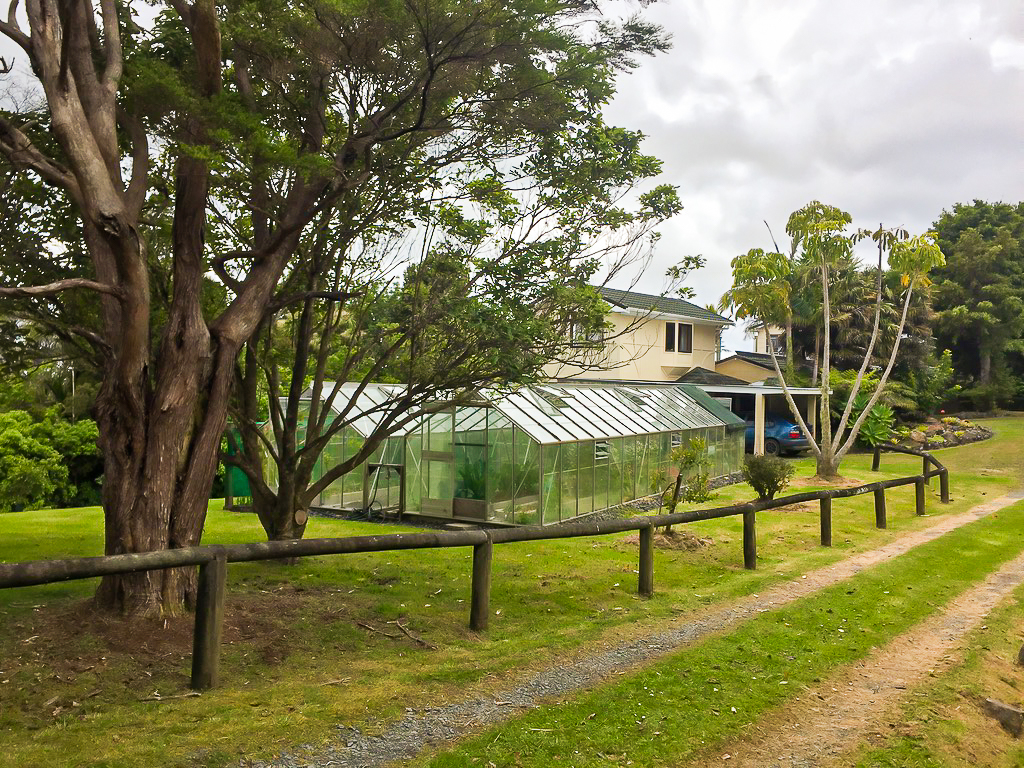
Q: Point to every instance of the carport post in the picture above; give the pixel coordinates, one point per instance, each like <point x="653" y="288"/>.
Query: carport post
<point x="812" y="416"/>
<point x="759" y="424"/>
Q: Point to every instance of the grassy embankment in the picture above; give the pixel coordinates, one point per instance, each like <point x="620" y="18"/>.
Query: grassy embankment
<point x="299" y="662"/>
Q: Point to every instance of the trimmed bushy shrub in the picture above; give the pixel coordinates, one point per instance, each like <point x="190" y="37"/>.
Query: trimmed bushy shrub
<point x="767" y="475"/>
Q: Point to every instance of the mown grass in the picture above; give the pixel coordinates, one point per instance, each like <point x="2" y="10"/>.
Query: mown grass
<point x="684" y="706"/>
<point x="297" y="662"/>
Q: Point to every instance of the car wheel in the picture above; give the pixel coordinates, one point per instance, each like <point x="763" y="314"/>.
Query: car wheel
<point x="772" y="447"/>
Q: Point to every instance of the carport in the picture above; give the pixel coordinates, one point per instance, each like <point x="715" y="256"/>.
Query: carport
<point x="759" y="399"/>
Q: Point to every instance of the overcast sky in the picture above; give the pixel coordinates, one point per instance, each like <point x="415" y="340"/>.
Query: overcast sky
<point x="892" y="111"/>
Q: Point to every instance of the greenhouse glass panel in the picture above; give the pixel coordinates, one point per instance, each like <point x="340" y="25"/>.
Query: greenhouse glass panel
<point x="585" y="464"/>
<point x="552" y="485"/>
<point x="526" y="478"/>
<point x="568" y="456"/>
<point x="628" y="464"/>
<point x="615" y="472"/>
<point x="499" y="467"/>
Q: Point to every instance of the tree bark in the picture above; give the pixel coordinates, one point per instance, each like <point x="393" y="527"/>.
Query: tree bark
<point x="985" y="366"/>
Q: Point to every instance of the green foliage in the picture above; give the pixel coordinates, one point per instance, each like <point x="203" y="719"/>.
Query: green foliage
<point x="767" y="475"/>
<point x="471" y="481"/>
<point x="978" y="298"/>
<point x="49" y="462"/>
<point x="693" y="465"/>
<point x="877" y="427"/>
<point x="31" y="471"/>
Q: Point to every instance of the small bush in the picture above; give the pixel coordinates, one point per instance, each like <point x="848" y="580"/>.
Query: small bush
<point x="767" y="475"/>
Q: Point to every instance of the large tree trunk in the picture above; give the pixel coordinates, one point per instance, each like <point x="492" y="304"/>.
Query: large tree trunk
<point x="156" y="489"/>
<point x="985" y="371"/>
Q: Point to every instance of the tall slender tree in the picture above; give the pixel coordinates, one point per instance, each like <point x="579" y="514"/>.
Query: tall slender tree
<point x="819" y="236"/>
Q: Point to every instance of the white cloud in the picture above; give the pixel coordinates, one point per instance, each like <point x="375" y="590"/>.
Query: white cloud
<point x="890" y="111"/>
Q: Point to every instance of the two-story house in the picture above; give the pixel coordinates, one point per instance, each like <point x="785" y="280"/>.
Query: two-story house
<point x="661" y="339"/>
<point x="652" y="338"/>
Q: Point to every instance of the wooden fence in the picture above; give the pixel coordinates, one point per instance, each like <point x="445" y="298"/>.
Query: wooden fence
<point x="213" y="560"/>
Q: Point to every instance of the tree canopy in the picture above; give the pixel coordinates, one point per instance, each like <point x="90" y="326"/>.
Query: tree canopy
<point x="212" y="138"/>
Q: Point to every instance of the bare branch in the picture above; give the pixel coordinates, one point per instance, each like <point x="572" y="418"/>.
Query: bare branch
<point x="12" y="30"/>
<point x="18" y="148"/>
<point x="57" y="287"/>
<point x="335" y="296"/>
<point x="112" y="45"/>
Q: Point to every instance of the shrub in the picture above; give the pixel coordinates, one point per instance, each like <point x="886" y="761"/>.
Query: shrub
<point x="767" y="475"/>
<point x="877" y="427"/>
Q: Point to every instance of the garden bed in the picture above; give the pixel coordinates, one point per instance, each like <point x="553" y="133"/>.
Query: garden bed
<point x="946" y="432"/>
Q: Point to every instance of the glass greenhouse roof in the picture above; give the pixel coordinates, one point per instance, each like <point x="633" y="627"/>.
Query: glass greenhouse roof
<point x="370" y="406"/>
<point x="566" y="412"/>
<point x="563" y="412"/>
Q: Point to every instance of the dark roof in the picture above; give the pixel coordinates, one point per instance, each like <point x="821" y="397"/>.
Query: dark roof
<point x="757" y="358"/>
<point x="659" y="304"/>
<point x="703" y="376"/>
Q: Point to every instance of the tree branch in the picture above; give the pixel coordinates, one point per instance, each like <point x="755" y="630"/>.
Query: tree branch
<point x="57" y="287"/>
<point x="336" y="296"/>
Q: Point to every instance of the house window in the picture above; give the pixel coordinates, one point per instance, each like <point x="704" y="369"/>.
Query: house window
<point x="670" y="337"/>
<point x="580" y="337"/>
<point x="685" y="337"/>
<point x="776" y="344"/>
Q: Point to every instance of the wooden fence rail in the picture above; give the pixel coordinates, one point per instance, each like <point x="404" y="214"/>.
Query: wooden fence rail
<point x="213" y="560"/>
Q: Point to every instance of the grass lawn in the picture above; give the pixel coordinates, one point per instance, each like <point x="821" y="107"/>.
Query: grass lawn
<point x="299" y="658"/>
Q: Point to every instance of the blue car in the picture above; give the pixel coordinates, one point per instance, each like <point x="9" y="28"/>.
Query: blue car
<point x="781" y="435"/>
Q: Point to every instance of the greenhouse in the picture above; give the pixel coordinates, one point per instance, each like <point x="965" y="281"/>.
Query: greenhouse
<point x="377" y="482"/>
<point x="549" y="453"/>
<point x="542" y="454"/>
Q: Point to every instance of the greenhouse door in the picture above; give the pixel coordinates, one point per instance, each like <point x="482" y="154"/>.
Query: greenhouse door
<point x="438" y="464"/>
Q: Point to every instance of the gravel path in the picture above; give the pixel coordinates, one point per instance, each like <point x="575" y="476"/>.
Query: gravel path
<point x="432" y="726"/>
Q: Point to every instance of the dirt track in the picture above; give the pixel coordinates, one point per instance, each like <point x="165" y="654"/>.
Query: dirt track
<point x="834" y="718"/>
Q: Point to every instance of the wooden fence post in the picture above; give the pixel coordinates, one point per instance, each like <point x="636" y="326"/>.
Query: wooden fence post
<point x="944" y="486"/>
<point x="646" y="586"/>
<point x="876" y="459"/>
<point x="826" y="521"/>
<point x="749" y="540"/>
<point x="919" y="496"/>
<point x="209" y="622"/>
<point x="880" y="521"/>
<point x="926" y="464"/>
<point x="480" y="604"/>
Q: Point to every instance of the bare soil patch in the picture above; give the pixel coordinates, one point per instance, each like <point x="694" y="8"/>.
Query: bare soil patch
<point x="89" y="657"/>
<point x="676" y="540"/>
